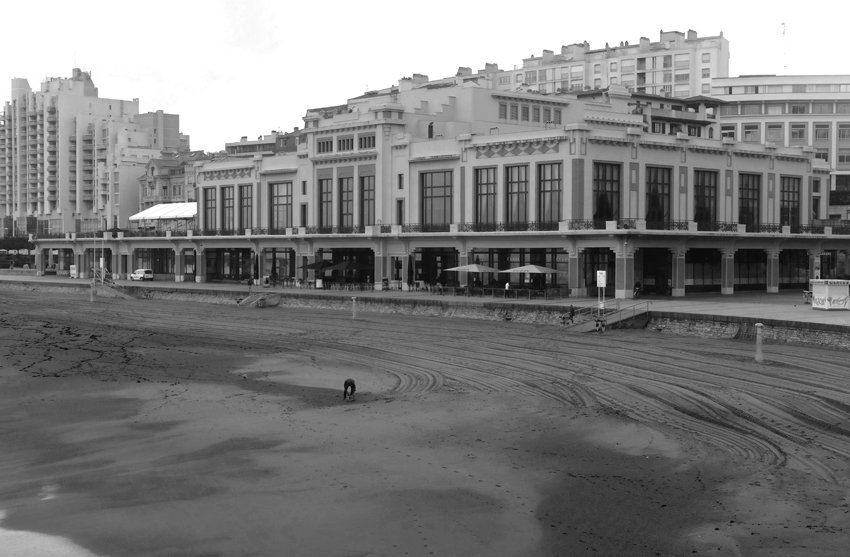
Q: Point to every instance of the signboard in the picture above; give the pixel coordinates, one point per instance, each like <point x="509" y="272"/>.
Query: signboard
<point x="73" y="271"/>
<point x="601" y="281"/>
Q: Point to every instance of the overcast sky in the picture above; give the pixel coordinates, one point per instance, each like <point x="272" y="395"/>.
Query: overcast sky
<point x="244" y="68"/>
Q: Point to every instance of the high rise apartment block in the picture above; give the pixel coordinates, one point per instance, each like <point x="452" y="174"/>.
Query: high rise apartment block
<point x="70" y="160"/>
<point x="810" y="111"/>
<point x="678" y="65"/>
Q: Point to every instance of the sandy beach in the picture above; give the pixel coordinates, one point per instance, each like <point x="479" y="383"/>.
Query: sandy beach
<point x="154" y="428"/>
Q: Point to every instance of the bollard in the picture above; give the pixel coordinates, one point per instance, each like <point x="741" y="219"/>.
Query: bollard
<point x="354" y="307"/>
<point x="759" y="332"/>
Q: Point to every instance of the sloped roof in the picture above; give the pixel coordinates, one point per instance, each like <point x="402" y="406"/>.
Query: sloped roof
<point x="168" y="211"/>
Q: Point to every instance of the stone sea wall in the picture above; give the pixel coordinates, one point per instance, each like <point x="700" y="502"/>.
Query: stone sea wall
<point x="743" y="328"/>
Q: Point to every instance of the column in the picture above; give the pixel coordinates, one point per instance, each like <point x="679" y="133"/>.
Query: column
<point x="577" y="287"/>
<point x="727" y="271"/>
<point x="382" y="264"/>
<point x="463" y="278"/>
<point x="39" y="262"/>
<point x="772" y="269"/>
<point x="677" y="277"/>
<point x="814" y="264"/>
<point x="624" y="271"/>
<point x="179" y="265"/>
<point x="200" y="265"/>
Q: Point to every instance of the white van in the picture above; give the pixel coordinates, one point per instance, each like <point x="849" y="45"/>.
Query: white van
<point x="142" y="274"/>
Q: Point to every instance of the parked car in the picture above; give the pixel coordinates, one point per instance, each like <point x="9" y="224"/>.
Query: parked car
<point x="141" y="274"/>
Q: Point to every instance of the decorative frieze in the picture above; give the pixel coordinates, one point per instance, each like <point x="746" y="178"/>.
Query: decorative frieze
<point x="227" y="174"/>
<point x="518" y="148"/>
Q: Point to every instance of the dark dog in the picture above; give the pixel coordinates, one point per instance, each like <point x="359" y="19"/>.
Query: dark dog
<point x="348" y="389"/>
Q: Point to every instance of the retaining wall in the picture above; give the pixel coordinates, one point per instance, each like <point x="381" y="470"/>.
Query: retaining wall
<point x="744" y="328"/>
<point x="682" y="324"/>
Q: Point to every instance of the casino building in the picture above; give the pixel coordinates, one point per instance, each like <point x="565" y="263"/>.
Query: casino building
<point x="404" y="183"/>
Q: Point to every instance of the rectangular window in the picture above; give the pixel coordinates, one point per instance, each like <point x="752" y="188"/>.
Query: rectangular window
<point x="366" y="141"/>
<point x="503" y="111"/>
<point x="821" y="132"/>
<point x="727" y="130"/>
<point x="789" y="201"/>
<point x="367" y="200"/>
<point x="485" y="199"/>
<point x="346" y="204"/>
<point x="612" y="67"/>
<point x="706" y="57"/>
<point x="325" y="145"/>
<point x="516" y="189"/>
<point x="682" y="77"/>
<point x="776" y="133"/>
<point x="706" y="73"/>
<point x="821" y="108"/>
<point x="246" y="206"/>
<point x="749" y="198"/>
<point x="524" y="113"/>
<point x="843" y="132"/>
<point x="798" y="108"/>
<point x="681" y="61"/>
<point x="547" y="115"/>
<point x="210" y="220"/>
<point x="401" y="181"/>
<point x="326" y="203"/>
<point x="842" y="108"/>
<point x="530" y="77"/>
<point x="695" y="131"/>
<point x="843" y="156"/>
<point x="399" y="212"/>
<point x="228" y="209"/>
<point x="705" y="199"/>
<point x="798" y="133"/>
<point x="597" y="69"/>
<point x="345" y="144"/>
<point x="606" y="193"/>
<point x="549" y="193"/>
<point x="751" y="108"/>
<point x="822" y="154"/>
<point x="658" y="127"/>
<point x="514" y="111"/>
<point x="535" y="114"/>
<point x="752" y="133"/>
<point x="280" y="204"/>
<point x="658" y="188"/>
<point x="303" y="187"/>
<point x="627" y="66"/>
<point x="436" y="191"/>
<point x="556" y="116"/>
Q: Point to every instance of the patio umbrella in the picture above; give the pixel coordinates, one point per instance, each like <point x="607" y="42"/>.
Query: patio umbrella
<point x="317" y="265"/>
<point x="475" y="268"/>
<point x="534" y="269"/>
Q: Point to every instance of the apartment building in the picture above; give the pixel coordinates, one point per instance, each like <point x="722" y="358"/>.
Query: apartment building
<point x="275" y="142"/>
<point x="677" y="65"/>
<point x="809" y="111"/>
<point x="170" y="179"/>
<point x="70" y="160"/>
<point x="404" y="184"/>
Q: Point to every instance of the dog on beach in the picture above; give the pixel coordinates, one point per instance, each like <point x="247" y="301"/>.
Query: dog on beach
<point x="348" y="389"/>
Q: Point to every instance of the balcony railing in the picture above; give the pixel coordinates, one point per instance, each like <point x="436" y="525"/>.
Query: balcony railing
<point x="769" y="228"/>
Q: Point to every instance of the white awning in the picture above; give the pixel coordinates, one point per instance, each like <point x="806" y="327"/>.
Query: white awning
<point x="168" y="211"/>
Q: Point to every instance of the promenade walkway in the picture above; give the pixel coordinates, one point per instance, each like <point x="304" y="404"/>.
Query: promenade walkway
<point x="783" y="306"/>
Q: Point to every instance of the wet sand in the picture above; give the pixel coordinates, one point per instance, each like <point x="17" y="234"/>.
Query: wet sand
<point x="152" y="428"/>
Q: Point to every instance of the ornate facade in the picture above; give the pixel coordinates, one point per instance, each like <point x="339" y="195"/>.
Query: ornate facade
<point x="405" y="184"/>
